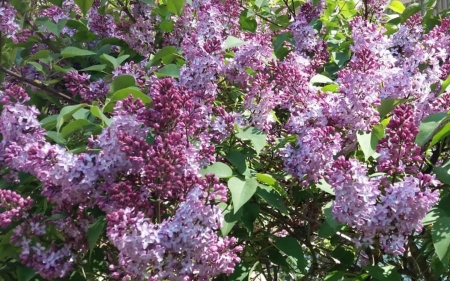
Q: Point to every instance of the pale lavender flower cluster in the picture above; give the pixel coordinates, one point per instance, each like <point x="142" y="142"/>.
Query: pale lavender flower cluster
<point x="185" y="247"/>
<point x="389" y="214"/>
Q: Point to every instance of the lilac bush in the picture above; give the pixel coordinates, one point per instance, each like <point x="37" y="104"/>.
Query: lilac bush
<point x="219" y="140"/>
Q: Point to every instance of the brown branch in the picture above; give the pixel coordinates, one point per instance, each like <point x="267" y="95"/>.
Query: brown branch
<point x="126" y="10"/>
<point x="38" y="85"/>
<point x="421" y="262"/>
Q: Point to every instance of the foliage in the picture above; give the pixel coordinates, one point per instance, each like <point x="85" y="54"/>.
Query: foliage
<point x="223" y="140"/>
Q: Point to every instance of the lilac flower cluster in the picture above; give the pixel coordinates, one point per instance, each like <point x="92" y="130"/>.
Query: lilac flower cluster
<point x="14" y="206"/>
<point x="390" y="214"/>
<point x="185" y="247"/>
<point x="79" y="84"/>
<point x="8" y="25"/>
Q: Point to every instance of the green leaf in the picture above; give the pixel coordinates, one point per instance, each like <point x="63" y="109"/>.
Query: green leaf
<point x="70" y="52"/>
<point x="397" y="6"/>
<point x="112" y="61"/>
<point x="55" y="28"/>
<point x="49" y="122"/>
<point x="272" y="198"/>
<point x="56" y="137"/>
<point x="76" y="24"/>
<point x="442" y="173"/>
<point x="169" y="70"/>
<point x="66" y="113"/>
<point x="122" y="82"/>
<point x="410" y="10"/>
<point x="433" y="215"/>
<point x="95" y="110"/>
<point x="323" y="185"/>
<point x="293" y="250"/>
<point x="230" y="218"/>
<point x="166" y="51"/>
<point x="385" y="273"/>
<point x="241" y="191"/>
<point x="247" y="23"/>
<point x="440" y="234"/>
<point x="39" y="55"/>
<point x="95" y="231"/>
<point x="340" y="58"/>
<point x="429" y="126"/>
<point x="125" y="93"/>
<point x="368" y="143"/>
<point x="36" y="65"/>
<point x="320" y="79"/>
<point x="175" y="6"/>
<point x="57" y="2"/>
<point x="256" y="136"/>
<point x="444" y="85"/>
<point x="219" y="169"/>
<point x="84" y="5"/>
<point x="386" y="106"/>
<point x="440" y="135"/>
<point x="74" y="126"/>
<point x="237" y="159"/>
<point x="25" y="273"/>
<point x="98" y="67"/>
<point x="232" y="42"/>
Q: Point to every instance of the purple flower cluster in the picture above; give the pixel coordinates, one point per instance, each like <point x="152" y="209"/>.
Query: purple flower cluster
<point x="389" y="214"/>
<point x="79" y="84"/>
<point x="184" y="247"/>
<point x="13" y="207"/>
<point x="398" y="152"/>
<point x="8" y="25"/>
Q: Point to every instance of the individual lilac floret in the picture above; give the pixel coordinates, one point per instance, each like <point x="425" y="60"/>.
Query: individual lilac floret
<point x="184" y="247"/>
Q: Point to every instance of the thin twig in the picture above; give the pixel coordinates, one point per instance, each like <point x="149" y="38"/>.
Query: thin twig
<point x="38" y="84"/>
<point x="126" y="10"/>
<point x="263" y="17"/>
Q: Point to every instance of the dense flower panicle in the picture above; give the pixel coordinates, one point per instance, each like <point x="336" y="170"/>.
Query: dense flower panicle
<point x="12" y="207"/>
<point x="373" y="9"/>
<point x="49" y="261"/>
<point x="103" y="26"/>
<point x="185" y="247"/>
<point x="79" y="84"/>
<point x="404" y="205"/>
<point x="356" y="195"/>
<point x="252" y="56"/>
<point x="140" y="35"/>
<point x="260" y="100"/>
<point x="307" y="41"/>
<point x="314" y="154"/>
<point x="391" y="214"/>
<point x="8" y="25"/>
<point x="398" y="151"/>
